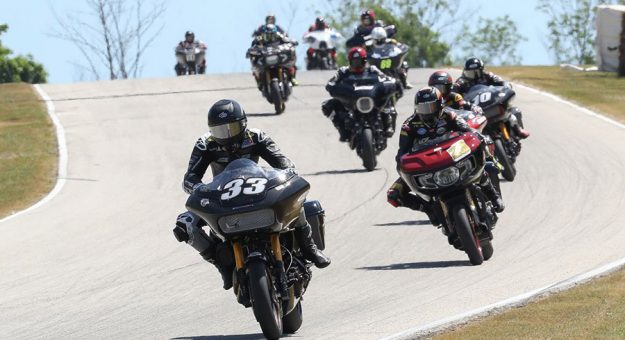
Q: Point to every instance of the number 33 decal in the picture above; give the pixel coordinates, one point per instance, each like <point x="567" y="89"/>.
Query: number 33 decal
<point x="251" y="186"/>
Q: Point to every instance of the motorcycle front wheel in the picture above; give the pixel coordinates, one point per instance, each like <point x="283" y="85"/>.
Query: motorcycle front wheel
<point x="468" y="237"/>
<point x="267" y="308"/>
<point x="367" y="149"/>
<point x="509" y="171"/>
<point x="277" y="97"/>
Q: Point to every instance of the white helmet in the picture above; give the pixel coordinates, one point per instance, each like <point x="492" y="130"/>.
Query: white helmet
<point x="378" y="35"/>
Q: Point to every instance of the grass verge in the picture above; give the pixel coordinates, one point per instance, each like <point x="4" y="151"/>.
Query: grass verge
<point x="587" y="311"/>
<point x="599" y="91"/>
<point x="28" y="148"/>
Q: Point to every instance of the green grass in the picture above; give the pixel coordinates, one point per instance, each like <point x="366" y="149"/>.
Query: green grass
<point x="599" y="91"/>
<point x="595" y="310"/>
<point x="28" y="151"/>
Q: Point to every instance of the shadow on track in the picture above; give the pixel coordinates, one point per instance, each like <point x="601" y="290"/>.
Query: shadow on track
<point x="227" y="337"/>
<point x="392" y="224"/>
<point x="336" y="172"/>
<point x="261" y="114"/>
<point x="419" y="265"/>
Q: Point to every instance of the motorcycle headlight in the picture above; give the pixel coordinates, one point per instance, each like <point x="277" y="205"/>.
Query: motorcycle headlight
<point x="426" y="181"/>
<point x="447" y="177"/>
<point x="365" y="104"/>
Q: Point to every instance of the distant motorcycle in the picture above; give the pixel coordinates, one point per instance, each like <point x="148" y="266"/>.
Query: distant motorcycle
<point x="389" y="58"/>
<point x="252" y="208"/>
<point x="190" y="59"/>
<point x="495" y="101"/>
<point x="272" y="62"/>
<point x="446" y="172"/>
<point x="321" y="53"/>
<point x="366" y="98"/>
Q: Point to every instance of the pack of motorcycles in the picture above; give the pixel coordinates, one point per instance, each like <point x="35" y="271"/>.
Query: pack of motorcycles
<point x="251" y="207"/>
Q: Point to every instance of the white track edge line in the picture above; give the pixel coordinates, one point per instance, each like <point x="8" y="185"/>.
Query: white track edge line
<point x="62" y="148"/>
<point x="442" y="324"/>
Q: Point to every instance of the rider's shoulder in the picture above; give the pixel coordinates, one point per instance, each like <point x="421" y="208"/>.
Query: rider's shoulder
<point x="256" y="134"/>
<point x="204" y="142"/>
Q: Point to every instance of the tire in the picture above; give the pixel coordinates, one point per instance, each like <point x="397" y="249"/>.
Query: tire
<point x="278" y="104"/>
<point x="470" y="243"/>
<point x="367" y="149"/>
<point x="266" y="307"/>
<point x="293" y="321"/>
<point x="509" y="171"/>
<point x="487" y="250"/>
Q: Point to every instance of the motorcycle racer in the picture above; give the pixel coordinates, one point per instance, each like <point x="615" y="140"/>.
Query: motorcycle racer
<point x="443" y="81"/>
<point x="272" y="37"/>
<point x="189" y="41"/>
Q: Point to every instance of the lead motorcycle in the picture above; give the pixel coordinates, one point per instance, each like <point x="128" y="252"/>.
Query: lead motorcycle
<point x="446" y="171"/>
<point x="366" y="98"/>
<point x="271" y="64"/>
<point x="496" y="101"/>
<point x="321" y="52"/>
<point x="252" y="208"/>
<point x="190" y="59"/>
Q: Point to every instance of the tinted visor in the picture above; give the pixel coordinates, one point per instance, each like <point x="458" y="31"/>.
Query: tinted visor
<point x="472" y="74"/>
<point x="443" y="88"/>
<point x="357" y="63"/>
<point x="228" y="130"/>
<point x="427" y="108"/>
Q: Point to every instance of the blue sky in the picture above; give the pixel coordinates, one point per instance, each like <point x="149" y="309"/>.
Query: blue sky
<point x="224" y="25"/>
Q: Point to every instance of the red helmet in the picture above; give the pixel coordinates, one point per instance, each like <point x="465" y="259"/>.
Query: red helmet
<point x="357" y="59"/>
<point x="367" y="17"/>
<point x="442" y="81"/>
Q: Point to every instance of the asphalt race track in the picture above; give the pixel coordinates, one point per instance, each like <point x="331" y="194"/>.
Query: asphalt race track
<point x="100" y="261"/>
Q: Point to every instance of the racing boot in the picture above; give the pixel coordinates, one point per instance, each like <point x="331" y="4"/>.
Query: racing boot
<point x="303" y="235"/>
<point x="492" y="194"/>
<point x="398" y="196"/>
<point x="224" y="270"/>
<point x="516" y="122"/>
<point x="292" y="73"/>
<point x="389" y="128"/>
<point x="521" y="132"/>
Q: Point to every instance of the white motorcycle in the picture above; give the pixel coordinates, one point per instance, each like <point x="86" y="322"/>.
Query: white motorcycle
<point x="321" y="53"/>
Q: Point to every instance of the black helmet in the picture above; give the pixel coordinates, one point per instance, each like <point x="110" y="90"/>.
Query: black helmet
<point x="227" y="122"/>
<point x="367" y="18"/>
<point x="473" y="68"/>
<point x="320" y="23"/>
<point x="428" y="105"/>
<point x="270" y="19"/>
<point x="188" y="34"/>
<point x="442" y="81"/>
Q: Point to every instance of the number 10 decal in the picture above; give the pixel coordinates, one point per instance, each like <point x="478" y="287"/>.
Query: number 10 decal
<point x="482" y="98"/>
<point x="251" y="186"/>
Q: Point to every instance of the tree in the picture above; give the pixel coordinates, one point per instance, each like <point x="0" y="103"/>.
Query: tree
<point x="494" y="40"/>
<point x="419" y="24"/>
<point x="571" y="28"/>
<point x="19" y="68"/>
<point x="116" y="36"/>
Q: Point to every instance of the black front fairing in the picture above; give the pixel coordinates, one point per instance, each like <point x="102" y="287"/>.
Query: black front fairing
<point x="388" y="57"/>
<point x="494" y="100"/>
<point x="255" y="188"/>
<point x="356" y="86"/>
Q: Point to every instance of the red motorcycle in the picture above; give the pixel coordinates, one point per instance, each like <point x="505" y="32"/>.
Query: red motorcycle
<point x="446" y="171"/>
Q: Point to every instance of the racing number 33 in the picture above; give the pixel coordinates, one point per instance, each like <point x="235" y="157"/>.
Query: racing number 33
<point x="251" y="186"/>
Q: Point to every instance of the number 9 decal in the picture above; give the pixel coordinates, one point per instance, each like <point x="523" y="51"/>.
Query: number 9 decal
<point x="251" y="186"/>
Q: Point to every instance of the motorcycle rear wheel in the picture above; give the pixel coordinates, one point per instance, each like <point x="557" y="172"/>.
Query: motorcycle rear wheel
<point x="367" y="149"/>
<point x="278" y="104"/>
<point x="468" y="237"/>
<point x="293" y="321"/>
<point x="267" y="308"/>
<point x="509" y="171"/>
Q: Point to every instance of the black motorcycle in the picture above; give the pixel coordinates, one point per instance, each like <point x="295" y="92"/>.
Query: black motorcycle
<point x="389" y="58"/>
<point x="366" y="98"/>
<point x="252" y="208"/>
<point x="495" y="101"/>
<point x="273" y="63"/>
